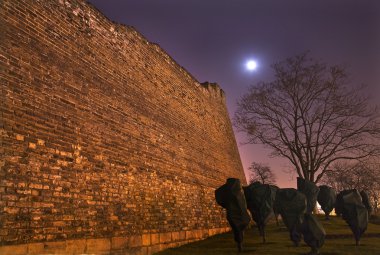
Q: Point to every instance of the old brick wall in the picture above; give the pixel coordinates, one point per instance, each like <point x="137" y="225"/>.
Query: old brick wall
<point x="106" y="142"/>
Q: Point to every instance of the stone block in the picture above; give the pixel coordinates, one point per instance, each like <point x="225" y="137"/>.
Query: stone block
<point x="35" y="248"/>
<point x="119" y="243"/>
<point x="145" y="251"/>
<point x="98" y="245"/>
<point x="164" y="246"/>
<point x="155" y="248"/>
<point x="183" y="243"/>
<point x="182" y="235"/>
<point x="198" y="234"/>
<point x="14" y="249"/>
<point x="135" y="241"/>
<point x="165" y="237"/>
<point x="76" y="246"/>
<point x="175" y="236"/>
<point x="155" y="238"/>
<point x="146" y="240"/>
<point x="214" y="231"/>
<point x="190" y="235"/>
<point x="54" y="247"/>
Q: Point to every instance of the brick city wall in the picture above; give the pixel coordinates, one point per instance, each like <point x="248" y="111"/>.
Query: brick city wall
<point x="106" y="142"/>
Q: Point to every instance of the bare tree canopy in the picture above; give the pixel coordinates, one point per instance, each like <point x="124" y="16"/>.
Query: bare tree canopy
<point x="355" y="175"/>
<point x="310" y="116"/>
<point x="262" y="173"/>
<point x="363" y="176"/>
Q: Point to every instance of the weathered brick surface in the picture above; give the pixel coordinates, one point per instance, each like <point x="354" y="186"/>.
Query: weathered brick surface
<point x="103" y="135"/>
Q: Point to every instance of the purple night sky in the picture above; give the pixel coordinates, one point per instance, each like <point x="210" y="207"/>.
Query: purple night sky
<point x="213" y="39"/>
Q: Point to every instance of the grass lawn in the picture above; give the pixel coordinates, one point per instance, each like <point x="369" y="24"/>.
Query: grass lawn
<point x="339" y="240"/>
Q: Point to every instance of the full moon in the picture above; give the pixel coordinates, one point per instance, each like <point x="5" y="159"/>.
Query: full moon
<point x="251" y="65"/>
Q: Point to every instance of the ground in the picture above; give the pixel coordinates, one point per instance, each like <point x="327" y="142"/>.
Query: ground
<point x="339" y="240"/>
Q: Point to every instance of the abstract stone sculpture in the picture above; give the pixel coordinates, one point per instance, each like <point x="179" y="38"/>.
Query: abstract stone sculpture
<point x="313" y="233"/>
<point x="349" y="204"/>
<point x="291" y="205"/>
<point x="365" y="200"/>
<point x="326" y="198"/>
<point x="311" y="192"/>
<point x="260" y="199"/>
<point x="276" y="213"/>
<point x="231" y="197"/>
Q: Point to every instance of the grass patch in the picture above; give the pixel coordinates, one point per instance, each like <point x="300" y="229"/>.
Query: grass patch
<point x="375" y="219"/>
<point x="339" y="241"/>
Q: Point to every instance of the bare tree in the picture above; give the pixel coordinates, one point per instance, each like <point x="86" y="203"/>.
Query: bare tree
<point x="309" y="116"/>
<point x="262" y="173"/>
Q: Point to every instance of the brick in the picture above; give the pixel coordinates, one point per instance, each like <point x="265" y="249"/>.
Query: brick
<point x="35" y="186"/>
<point x="59" y="223"/>
<point x="11" y="210"/>
<point x="32" y="146"/>
<point x="20" y="137"/>
<point x="35" y="192"/>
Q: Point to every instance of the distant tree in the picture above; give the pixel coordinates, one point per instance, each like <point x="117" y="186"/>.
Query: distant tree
<point x="363" y="176"/>
<point x="309" y="116"/>
<point x="262" y="173"/>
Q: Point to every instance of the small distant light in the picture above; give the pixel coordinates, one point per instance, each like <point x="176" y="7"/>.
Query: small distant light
<point x="251" y="65"/>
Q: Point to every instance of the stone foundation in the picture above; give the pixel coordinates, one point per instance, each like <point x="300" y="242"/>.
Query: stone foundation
<point x="145" y="244"/>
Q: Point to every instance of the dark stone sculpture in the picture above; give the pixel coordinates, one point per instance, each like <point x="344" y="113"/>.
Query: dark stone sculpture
<point x="313" y="233"/>
<point x="275" y="211"/>
<point x="339" y="203"/>
<point x="365" y="200"/>
<point x="260" y="199"/>
<point x="349" y="205"/>
<point x="326" y="198"/>
<point x="310" y="190"/>
<point x="231" y="197"/>
<point x="291" y="205"/>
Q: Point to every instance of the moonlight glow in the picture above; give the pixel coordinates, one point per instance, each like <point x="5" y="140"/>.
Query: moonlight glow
<point x="251" y="65"/>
